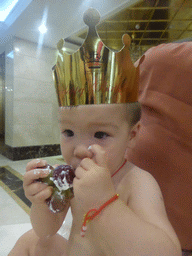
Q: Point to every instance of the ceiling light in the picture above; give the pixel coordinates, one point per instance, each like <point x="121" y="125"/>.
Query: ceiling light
<point x="137" y="26"/>
<point x="6" y="7"/>
<point x="43" y="29"/>
<point x="11" y="55"/>
<point x="16" y="49"/>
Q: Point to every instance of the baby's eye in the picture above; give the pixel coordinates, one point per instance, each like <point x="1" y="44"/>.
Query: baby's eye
<point x="101" y="135"/>
<point x="68" y="133"/>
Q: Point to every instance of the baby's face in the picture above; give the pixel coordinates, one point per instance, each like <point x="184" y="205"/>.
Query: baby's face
<point x="83" y="126"/>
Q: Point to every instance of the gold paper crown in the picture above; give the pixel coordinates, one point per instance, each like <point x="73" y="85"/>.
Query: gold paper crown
<point x="95" y="74"/>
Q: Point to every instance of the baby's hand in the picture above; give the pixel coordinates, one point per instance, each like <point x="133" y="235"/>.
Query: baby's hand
<point x="35" y="191"/>
<point x="93" y="185"/>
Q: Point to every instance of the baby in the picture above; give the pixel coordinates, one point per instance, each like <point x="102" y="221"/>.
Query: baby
<point x="94" y="140"/>
<point x="117" y="208"/>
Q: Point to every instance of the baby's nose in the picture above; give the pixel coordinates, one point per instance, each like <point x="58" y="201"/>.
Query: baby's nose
<point x="82" y="151"/>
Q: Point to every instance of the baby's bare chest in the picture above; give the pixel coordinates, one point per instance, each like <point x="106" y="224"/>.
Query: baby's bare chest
<point x="88" y="245"/>
<point x="78" y="245"/>
<point x="83" y="246"/>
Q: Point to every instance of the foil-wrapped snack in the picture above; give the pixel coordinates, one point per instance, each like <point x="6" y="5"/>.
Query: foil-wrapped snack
<point x="61" y="179"/>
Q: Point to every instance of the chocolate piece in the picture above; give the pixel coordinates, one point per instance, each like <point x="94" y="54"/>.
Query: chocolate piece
<point x="61" y="179"/>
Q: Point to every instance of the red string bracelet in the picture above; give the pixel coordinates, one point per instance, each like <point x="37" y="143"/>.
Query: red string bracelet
<point x="88" y="217"/>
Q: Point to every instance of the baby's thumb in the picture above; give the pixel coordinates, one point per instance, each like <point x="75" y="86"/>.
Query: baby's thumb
<point x="99" y="155"/>
<point x="56" y="165"/>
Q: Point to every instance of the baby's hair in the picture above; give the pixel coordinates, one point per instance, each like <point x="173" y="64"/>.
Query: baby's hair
<point x="133" y="111"/>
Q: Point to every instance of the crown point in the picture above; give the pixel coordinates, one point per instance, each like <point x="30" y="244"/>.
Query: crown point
<point x="126" y="40"/>
<point x="60" y="44"/>
<point x="91" y="17"/>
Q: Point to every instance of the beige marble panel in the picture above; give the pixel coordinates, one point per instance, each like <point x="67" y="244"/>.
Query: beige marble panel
<point x="32" y="68"/>
<point x="34" y="90"/>
<point x="37" y="100"/>
<point x="9" y="85"/>
<point x="31" y="49"/>
<point x="33" y="122"/>
<point x="31" y="104"/>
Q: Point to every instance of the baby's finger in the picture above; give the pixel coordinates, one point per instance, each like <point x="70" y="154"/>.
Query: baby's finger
<point x="35" y="188"/>
<point x="56" y="165"/>
<point x="32" y="175"/>
<point x="79" y="172"/>
<point x="87" y="164"/>
<point x="99" y="155"/>
<point x="36" y="163"/>
<point x="42" y="195"/>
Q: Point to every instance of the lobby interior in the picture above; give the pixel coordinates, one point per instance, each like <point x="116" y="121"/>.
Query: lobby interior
<point x="28" y="104"/>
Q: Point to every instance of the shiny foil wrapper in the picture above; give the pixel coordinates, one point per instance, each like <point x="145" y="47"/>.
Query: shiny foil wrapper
<point x="95" y="74"/>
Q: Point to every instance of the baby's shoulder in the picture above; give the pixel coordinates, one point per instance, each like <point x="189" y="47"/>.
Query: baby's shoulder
<point x="143" y="185"/>
<point x="138" y="186"/>
<point x="139" y="178"/>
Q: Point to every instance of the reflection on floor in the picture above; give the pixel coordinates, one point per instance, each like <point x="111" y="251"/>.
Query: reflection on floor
<point x="14" y="207"/>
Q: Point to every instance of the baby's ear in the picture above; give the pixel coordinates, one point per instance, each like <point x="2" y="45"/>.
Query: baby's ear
<point x="133" y="135"/>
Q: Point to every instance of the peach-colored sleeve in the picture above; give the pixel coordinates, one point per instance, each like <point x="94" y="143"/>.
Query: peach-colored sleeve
<point x="164" y="144"/>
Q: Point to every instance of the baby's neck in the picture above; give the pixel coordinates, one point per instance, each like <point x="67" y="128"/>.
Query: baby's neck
<point x="120" y="174"/>
<point x="119" y="169"/>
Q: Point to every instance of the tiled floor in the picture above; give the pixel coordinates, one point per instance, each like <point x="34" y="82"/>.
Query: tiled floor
<point x="14" y="221"/>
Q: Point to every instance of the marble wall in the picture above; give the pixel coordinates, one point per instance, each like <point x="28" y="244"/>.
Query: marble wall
<point x="2" y="89"/>
<point x="30" y="100"/>
<point x="9" y="83"/>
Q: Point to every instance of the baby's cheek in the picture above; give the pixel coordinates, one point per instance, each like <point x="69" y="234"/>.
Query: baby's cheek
<point x="64" y="152"/>
<point x="67" y="154"/>
<point x="113" y="162"/>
